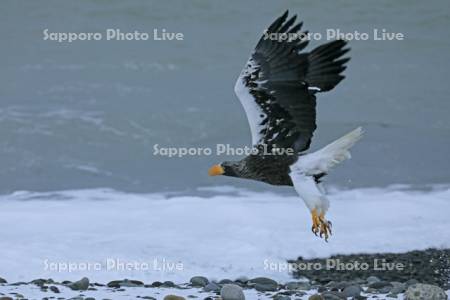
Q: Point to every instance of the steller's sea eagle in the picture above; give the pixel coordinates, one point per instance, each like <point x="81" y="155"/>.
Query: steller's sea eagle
<point x="277" y="89"/>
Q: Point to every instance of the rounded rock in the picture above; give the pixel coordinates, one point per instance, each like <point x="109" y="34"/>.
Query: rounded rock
<point x="212" y="287"/>
<point x="411" y="282"/>
<point x="294" y="285"/>
<point x="333" y="296"/>
<point x="174" y="297"/>
<point x="80" y="285"/>
<point x="352" y="291"/>
<point x="421" y="291"/>
<point x="199" y="281"/>
<point x="397" y="287"/>
<point x="168" y="284"/>
<point x="156" y="284"/>
<point x="372" y="279"/>
<point x="232" y="292"/>
<point x="263" y="284"/>
<point x="380" y="285"/>
<point x="226" y="281"/>
<point x="281" y="297"/>
<point x="242" y="279"/>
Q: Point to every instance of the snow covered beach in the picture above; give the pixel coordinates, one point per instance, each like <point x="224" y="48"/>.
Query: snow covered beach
<point x="108" y="235"/>
<point x="234" y="233"/>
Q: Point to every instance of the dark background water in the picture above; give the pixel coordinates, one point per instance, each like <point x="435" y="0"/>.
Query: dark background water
<point x="87" y="114"/>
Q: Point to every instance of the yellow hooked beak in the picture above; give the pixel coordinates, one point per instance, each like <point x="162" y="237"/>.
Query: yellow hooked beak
<point x="216" y="170"/>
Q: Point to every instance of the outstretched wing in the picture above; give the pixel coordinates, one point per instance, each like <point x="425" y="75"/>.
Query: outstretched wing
<point x="278" y="84"/>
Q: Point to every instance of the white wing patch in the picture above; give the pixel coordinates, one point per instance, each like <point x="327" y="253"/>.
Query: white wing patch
<point x="314" y="88"/>
<point x="255" y="115"/>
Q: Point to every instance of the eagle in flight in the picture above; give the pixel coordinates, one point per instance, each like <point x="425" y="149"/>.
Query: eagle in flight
<point x="277" y="89"/>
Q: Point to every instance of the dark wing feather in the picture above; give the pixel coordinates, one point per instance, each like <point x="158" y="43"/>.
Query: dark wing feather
<point x="277" y="87"/>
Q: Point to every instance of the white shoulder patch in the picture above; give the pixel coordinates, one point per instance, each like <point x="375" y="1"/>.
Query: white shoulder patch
<point x="255" y="114"/>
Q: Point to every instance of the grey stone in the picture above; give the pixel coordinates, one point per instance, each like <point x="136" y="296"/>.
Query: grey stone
<point x="380" y="284"/>
<point x="212" y="287"/>
<point x="54" y="289"/>
<point x="3" y="280"/>
<point x="295" y="285"/>
<point x="113" y="284"/>
<point x="321" y="289"/>
<point x="299" y="294"/>
<point x="232" y="292"/>
<point x="421" y="291"/>
<point x="411" y="282"/>
<point x="156" y="284"/>
<point x="397" y="287"/>
<point x="131" y="283"/>
<point x="39" y="282"/>
<point x="315" y="297"/>
<point x="305" y="286"/>
<point x="292" y="285"/>
<point x="226" y="281"/>
<point x="6" y="298"/>
<point x="80" y="285"/>
<point x="385" y="290"/>
<point x="342" y="285"/>
<point x="372" y="279"/>
<point x="19" y="283"/>
<point x="281" y="297"/>
<point x="242" y="279"/>
<point x="168" y="284"/>
<point x="199" y="281"/>
<point x="333" y="296"/>
<point x="352" y="291"/>
<point x="99" y="284"/>
<point x="264" y="284"/>
<point x="174" y="297"/>
<point x="125" y="283"/>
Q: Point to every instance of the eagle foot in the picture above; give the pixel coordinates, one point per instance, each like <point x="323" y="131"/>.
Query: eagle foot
<point x="321" y="227"/>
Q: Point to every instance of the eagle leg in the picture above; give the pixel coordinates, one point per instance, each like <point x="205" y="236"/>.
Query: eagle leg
<point x="321" y="227"/>
<point x="316" y="222"/>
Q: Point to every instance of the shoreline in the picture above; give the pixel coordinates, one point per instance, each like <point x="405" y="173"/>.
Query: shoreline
<point x="306" y="284"/>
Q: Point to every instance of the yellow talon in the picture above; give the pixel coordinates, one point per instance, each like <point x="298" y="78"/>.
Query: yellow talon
<point x="320" y="225"/>
<point x="316" y="222"/>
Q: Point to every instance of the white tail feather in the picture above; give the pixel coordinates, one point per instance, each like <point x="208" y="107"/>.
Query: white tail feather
<point x="329" y="156"/>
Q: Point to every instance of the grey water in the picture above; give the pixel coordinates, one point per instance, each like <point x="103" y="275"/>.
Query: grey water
<point x="87" y="114"/>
